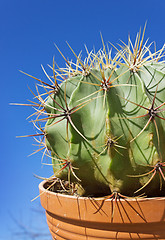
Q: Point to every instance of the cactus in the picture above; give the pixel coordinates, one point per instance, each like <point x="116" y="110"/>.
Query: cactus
<point x="105" y="128"/>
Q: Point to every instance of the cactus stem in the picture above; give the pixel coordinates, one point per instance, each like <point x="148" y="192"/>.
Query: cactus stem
<point x="66" y="164"/>
<point x="111" y="142"/>
<point x="90" y="94"/>
<point x="106" y="84"/>
<point x="157" y="168"/>
<point x="91" y="133"/>
<point x="146" y="183"/>
<point x="146" y="125"/>
<point x="70" y="120"/>
<point x="152" y="113"/>
<point x="66" y="114"/>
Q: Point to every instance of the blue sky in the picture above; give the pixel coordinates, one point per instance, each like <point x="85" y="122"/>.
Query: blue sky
<point x="28" y="31"/>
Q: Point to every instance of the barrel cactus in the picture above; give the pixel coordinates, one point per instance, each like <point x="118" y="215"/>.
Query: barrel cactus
<point x="105" y="121"/>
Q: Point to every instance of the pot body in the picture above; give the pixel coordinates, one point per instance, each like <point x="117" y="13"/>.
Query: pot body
<point x="78" y="218"/>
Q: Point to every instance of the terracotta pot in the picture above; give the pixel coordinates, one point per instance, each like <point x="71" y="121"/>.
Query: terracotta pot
<point x="78" y="218"/>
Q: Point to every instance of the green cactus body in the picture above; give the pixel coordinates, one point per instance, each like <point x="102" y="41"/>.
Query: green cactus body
<point x="105" y="124"/>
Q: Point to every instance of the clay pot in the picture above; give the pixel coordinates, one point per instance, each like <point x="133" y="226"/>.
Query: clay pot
<point x="78" y="218"/>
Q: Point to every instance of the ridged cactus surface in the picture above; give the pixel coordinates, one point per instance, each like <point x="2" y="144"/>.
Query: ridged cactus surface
<point x="105" y="121"/>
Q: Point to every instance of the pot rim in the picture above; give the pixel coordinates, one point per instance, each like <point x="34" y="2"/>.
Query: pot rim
<point x="43" y="189"/>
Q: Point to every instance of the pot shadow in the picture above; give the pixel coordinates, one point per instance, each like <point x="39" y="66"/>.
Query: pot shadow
<point x="116" y="200"/>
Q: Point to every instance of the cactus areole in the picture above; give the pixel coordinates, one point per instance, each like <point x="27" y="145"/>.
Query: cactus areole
<point x="102" y="121"/>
